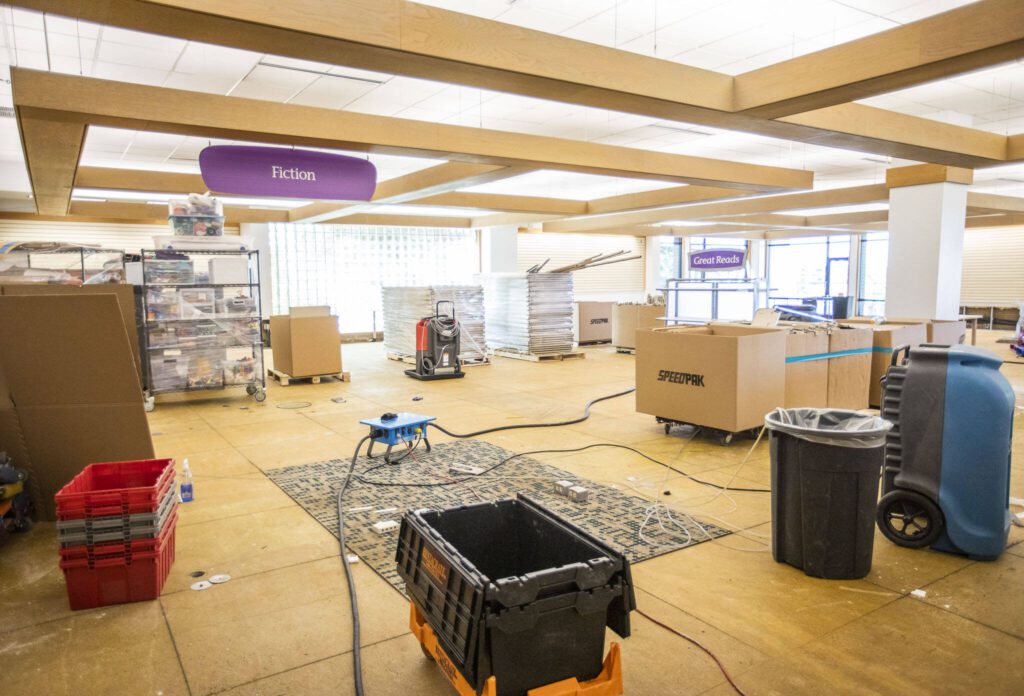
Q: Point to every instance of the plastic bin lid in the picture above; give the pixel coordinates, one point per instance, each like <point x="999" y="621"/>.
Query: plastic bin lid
<point x="830" y="426"/>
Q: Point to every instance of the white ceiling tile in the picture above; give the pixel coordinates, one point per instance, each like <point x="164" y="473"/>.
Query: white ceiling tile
<point x="209" y="83"/>
<point x="146" y="57"/>
<point x="128" y="73"/>
<point x="332" y="92"/>
<point x="273" y="84"/>
<point x="535" y="17"/>
<point x="557" y="184"/>
<point x="154" y="42"/>
<point x="206" y="59"/>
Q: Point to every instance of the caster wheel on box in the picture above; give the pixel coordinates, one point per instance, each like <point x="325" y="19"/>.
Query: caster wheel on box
<point x="260" y="396"/>
<point x="149" y="403"/>
<point x="251" y="390"/>
<point x="909" y="519"/>
<point x="668" y="428"/>
<point x="725" y="438"/>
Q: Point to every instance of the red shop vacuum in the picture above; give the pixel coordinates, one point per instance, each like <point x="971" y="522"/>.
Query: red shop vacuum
<point x="437" y="346"/>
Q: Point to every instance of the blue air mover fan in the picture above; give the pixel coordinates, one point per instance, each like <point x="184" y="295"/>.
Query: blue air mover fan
<point x="946" y="480"/>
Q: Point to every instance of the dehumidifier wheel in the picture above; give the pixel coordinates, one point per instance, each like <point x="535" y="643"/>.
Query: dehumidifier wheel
<point x="909" y="519"/>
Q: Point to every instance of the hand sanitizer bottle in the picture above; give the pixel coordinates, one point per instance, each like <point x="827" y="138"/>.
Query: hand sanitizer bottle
<point x="186" y="483"/>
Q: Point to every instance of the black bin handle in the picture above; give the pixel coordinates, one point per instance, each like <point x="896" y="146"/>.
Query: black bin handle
<point x="905" y="349"/>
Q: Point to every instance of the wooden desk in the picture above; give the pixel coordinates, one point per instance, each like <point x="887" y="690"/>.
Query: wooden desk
<point x="973" y="320"/>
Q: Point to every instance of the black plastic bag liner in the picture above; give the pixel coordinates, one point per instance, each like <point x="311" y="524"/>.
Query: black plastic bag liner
<point x="830" y="426"/>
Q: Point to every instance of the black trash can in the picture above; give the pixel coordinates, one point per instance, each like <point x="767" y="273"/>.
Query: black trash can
<point x="826" y="465"/>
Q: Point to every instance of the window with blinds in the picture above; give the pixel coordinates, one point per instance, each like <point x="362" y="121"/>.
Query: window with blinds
<point x="993" y="268"/>
<point x="609" y="282"/>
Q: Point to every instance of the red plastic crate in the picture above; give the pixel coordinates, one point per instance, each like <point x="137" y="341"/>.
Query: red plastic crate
<point x="97" y="579"/>
<point x="115" y="488"/>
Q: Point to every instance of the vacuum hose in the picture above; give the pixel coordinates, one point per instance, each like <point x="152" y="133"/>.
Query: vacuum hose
<point x="518" y="426"/>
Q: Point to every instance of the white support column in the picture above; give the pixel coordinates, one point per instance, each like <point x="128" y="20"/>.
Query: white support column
<point x="652" y="263"/>
<point x="927" y="212"/>
<point x="499" y="249"/>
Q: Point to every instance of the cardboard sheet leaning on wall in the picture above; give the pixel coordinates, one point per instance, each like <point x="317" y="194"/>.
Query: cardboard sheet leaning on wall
<point x="69" y="392"/>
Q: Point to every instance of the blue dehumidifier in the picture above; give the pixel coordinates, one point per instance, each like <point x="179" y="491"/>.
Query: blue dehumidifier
<point x="946" y="478"/>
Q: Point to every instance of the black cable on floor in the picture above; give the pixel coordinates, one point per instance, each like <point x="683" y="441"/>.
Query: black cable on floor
<point x="519" y="426"/>
<point x="357" y="657"/>
<point x="430" y="484"/>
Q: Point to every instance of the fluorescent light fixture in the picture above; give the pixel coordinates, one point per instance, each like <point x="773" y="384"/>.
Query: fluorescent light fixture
<point x="89" y="198"/>
<point x="685" y="223"/>
<point x="322" y="73"/>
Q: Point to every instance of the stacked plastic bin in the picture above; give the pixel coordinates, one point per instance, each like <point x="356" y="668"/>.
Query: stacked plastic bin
<point x="512" y="591"/>
<point x="116" y="524"/>
<point x="196" y="216"/>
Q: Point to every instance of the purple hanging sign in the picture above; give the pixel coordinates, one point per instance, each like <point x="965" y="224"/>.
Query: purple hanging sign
<point x="281" y="172"/>
<point x="718" y="259"/>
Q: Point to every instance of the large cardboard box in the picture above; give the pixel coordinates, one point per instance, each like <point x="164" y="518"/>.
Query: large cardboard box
<point x="594" y="322"/>
<point x="806" y="371"/>
<point x="125" y="299"/>
<point x="722" y="376"/>
<point x="627" y="319"/>
<point x="946" y="332"/>
<point x="70" y="395"/>
<point x="887" y="336"/>
<point x="849" y="376"/>
<point x="305" y="346"/>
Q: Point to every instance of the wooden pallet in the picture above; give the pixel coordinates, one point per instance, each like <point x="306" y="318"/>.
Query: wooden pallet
<point x="409" y="360"/>
<point x="601" y="342"/>
<point x="625" y="351"/>
<point x="286" y="379"/>
<point x="540" y="357"/>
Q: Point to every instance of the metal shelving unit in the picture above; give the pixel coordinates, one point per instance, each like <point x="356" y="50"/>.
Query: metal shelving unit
<point x="200" y="334"/>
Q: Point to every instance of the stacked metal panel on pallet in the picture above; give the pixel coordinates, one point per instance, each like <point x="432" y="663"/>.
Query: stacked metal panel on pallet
<point x="405" y="306"/>
<point x="530" y="312"/>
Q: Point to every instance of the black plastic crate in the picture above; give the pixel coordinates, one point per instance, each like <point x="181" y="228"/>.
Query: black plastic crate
<point x="512" y="590"/>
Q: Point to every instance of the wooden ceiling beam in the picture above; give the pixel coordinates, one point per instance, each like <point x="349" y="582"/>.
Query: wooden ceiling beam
<point x="391" y="220"/>
<point x="657" y="198"/>
<point x="126" y="210"/>
<point x="406" y="38"/>
<point x="992" y="202"/>
<point x="114" y="179"/>
<point x="968" y="38"/>
<point x="142" y="107"/>
<point x="51" y="148"/>
<point x="504" y="203"/>
<point x="744" y="206"/>
<point x="423" y="182"/>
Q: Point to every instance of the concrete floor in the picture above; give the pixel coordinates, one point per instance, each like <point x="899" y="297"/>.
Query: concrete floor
<point x="281" y="626"/>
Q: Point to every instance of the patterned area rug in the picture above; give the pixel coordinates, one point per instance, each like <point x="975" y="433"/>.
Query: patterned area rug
<point x="611" y="515"/>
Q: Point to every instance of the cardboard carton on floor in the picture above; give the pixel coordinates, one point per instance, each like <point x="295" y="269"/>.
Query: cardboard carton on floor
<point x="73" y="398"/>
<point x="849" y="376"/>
<point x="306" y="342"/>
<point x="594" y="322"/>
<point x="946" y="332"/>
<point x="806" y="372"/>
<point x="722" y="376"/>
<point x="887" y="336"/>
<point x="627" y="319"/>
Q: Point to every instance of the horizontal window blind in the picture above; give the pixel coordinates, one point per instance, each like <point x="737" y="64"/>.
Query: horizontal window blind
<point x="129" y="237"/>
<point x="563" y="249"/>
<point x="993" y="267"/>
